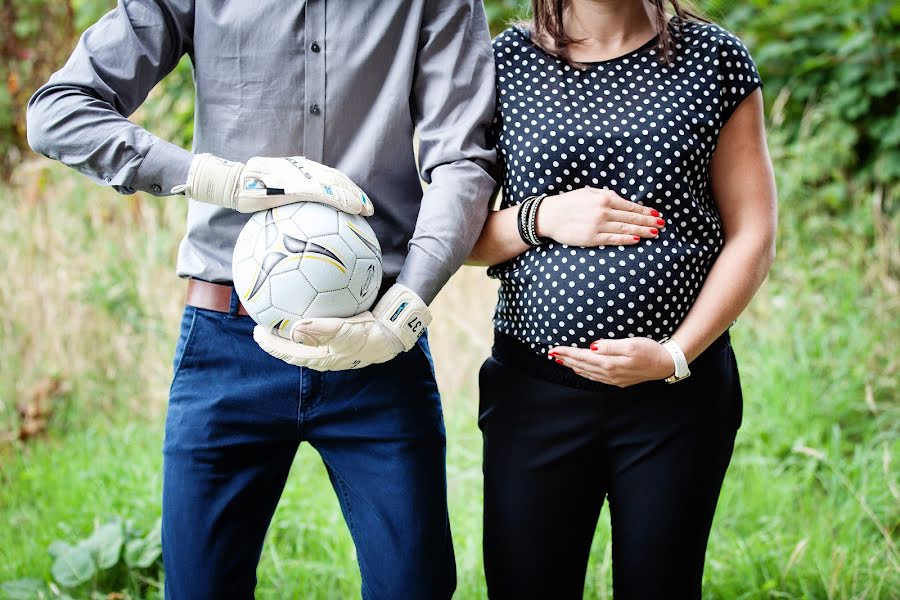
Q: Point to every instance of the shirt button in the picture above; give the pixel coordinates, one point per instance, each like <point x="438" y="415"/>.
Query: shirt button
<point x="314" y="109"/>
<point x="155" y="188"/>
<point x="315" y="47"/>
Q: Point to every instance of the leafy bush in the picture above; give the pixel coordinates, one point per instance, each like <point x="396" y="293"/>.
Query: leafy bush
<point x="116" y="556"/>
<point x="831" y="71"/>
<point x="36" y="38"/>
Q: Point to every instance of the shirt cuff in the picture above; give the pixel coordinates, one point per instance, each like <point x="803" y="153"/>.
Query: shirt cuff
<point x="424" y="274"/>
<point x="163" y="167"/>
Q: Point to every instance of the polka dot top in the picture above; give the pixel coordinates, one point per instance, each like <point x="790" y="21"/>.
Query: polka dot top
<point x="635" y="126"/>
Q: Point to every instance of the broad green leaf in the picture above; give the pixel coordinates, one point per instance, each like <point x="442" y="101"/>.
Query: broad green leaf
<point x="881" y="87"/>
<point x="73" y="567"/>
<point x="58" y="547"/>
<point x="105" y="544"/>
<point x="22" y="589"/>
<point x="142" y="553"/>
<point x="887" y="166"/>
<point x="155" y="532"/>
<point x="131" y="531"/>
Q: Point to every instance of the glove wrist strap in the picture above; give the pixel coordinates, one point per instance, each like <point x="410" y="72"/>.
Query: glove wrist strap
<point x="213" y="180"/>
<point x="404" y="314"/>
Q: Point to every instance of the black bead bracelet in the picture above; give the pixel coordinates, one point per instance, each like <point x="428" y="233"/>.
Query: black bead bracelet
<point x="527" y="220"/>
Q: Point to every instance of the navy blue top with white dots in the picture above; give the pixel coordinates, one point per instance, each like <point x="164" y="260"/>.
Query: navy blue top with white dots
<point x="641" y="128"/>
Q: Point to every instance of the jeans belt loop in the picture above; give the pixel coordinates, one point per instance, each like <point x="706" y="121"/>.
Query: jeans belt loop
<point x="235" y="304"/>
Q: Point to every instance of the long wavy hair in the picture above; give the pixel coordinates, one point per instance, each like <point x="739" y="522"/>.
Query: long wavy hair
<point x="547" y="24"/>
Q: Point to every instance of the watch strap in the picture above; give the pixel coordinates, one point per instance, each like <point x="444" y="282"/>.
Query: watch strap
<point x="681" y="365"/>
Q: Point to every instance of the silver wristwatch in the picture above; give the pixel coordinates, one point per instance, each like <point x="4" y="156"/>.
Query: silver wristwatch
<point x="681" y="365"/>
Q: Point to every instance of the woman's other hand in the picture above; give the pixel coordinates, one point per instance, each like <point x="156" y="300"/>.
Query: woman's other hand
<point x="592" y="217"/>
<point x="620" y="362"/>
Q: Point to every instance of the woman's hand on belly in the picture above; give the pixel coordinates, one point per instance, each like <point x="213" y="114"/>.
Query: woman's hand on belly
<point x="586" y="217"/>
<point x="590" y="217"/>
<point x="622" y="362"/>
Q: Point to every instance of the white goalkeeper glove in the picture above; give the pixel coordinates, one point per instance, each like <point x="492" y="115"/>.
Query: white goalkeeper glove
<point x="265" y="183"/>
<point x="392" y="327"/>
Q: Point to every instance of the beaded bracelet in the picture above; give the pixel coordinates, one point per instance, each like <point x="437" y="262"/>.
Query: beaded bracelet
<point x="532" y="221"/>
<point x="527" y="220"/>
<point x="523" y="219"/>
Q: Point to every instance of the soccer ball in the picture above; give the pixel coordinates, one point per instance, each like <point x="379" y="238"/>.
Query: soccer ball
<point x="305" y="260"/>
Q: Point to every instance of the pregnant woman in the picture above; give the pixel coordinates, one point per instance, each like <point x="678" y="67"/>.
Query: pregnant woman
<point x="637" y="222"/>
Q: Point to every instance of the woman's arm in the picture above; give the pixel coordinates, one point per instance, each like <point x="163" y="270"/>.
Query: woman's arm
<point x="584" y="217"/>
<point x="743" y="186"/>
<point x="499" y="240"/>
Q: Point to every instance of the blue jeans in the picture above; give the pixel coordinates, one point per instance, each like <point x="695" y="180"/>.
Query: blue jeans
<point x="236" y="417"/>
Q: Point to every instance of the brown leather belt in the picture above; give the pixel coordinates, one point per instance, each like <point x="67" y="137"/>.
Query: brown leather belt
<point x="217" y="297"/>
<point x="211" y="296"/>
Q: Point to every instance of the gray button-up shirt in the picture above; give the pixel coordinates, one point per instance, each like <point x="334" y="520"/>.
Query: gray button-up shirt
<point x="344" y="83"/>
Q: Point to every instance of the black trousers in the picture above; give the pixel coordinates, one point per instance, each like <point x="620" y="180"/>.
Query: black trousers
<point x="556" y="446"/>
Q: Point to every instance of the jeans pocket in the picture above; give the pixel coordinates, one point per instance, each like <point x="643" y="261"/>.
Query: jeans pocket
<point x="185" y="339"/>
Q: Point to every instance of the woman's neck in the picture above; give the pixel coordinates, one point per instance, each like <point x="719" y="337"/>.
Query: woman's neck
<point x="607" y="28"/>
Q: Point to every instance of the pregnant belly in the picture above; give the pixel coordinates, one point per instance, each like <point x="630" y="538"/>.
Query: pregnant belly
<point x="561" y="295"/>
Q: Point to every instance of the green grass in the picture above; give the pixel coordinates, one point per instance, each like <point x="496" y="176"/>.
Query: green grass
<point x="810" y="507"/>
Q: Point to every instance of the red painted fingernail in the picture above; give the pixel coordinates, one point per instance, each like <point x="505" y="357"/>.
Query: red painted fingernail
<point x="552" y="354"/>
<point x="660" y="222"/>
<point x="655" y="213"/>
<point x="636" y="238"/>
<point x="654" y="231"/>
<point x="594" y="347"/>
<point x="559" y="361"/>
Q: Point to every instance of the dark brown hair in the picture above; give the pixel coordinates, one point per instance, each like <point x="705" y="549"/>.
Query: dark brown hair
<point x="547" y="24"/>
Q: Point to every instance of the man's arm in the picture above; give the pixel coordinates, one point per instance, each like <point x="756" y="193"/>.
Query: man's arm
<point x="79" y="116"/>
<point x="453" y="105"/>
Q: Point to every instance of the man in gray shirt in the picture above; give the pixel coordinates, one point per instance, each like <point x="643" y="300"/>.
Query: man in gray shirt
<point x="343" y="84"/>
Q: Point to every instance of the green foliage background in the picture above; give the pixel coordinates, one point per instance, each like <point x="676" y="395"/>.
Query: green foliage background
<point x="811" y="506"/>
<point x="831" y="70"/>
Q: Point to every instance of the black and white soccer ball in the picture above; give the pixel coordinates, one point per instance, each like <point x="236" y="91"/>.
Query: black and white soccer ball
<point x="305" y="260"/>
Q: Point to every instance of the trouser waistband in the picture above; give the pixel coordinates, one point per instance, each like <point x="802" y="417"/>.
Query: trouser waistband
<point x="517" y="354"/>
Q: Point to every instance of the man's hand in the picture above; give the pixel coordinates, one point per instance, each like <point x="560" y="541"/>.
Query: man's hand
<point x="265" y="183"/>
<point x="620" y="362"/>
<point x="392" y="327"/>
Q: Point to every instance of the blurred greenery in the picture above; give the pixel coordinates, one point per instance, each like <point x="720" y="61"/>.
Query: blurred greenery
<point x="831" y="70"/>
<point x="810" y="507"/>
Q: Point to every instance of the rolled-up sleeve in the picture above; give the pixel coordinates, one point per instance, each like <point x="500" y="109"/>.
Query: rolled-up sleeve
<point x="80" y="116"/>
<point x="452" y="105"/>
